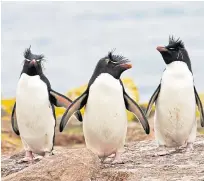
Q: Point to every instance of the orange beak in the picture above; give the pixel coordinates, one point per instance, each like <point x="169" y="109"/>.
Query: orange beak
<point x="161" y="49"/>
<point x="126" y="65"/>
<point x="33" y="62"/>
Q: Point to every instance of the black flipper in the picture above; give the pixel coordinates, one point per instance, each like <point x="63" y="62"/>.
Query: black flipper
<point x="75" y="106"/>
<point x="152" y="100"/>
<point x="200" y="107"/>
<point x="14" y="120"/>
<point x="56" y="98"/>
<point x="78" y="116"/>
<point x="133" y="107"/>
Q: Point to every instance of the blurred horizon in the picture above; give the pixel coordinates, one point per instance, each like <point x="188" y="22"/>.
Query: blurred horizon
<point x="73" y="36"/>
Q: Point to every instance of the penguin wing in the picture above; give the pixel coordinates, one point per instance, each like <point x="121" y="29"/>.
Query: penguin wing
<point x="152" y="100"/>
<point x="60" y="100"/>
<point x="200" y="107"/>
<point x="56" y="98"/>
<point x="133" y="107"/>
<point x="14" y="120"/>
<point x="75" y="106"/>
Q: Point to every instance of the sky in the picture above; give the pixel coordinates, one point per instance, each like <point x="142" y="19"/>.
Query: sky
<point x="73" y="36"/>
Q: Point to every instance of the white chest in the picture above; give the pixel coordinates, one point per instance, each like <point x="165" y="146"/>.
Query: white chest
<point x="34" y="113"/>
<point x="31" y="91"/>
<point x="105" y="101"/>
<point x="105" y="119"/>
<point x="175" y="108"/>
<point x="32" y="101"/>
<point x="177" y="85"/>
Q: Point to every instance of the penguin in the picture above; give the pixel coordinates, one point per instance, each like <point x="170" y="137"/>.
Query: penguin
<point x="33" y="116"/>
<point x="106" y="101"/>
<point x="175" y="99"/>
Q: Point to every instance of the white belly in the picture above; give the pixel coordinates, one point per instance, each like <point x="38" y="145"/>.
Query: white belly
<point x="34" y="114"/>
<point x="175" y="107"/>
<point x="105" y="118"/>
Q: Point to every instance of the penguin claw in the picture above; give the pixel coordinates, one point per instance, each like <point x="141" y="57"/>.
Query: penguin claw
<point x="112" y="155"/>
<point x="38" y="158"/>
<point x="48" y="154"/>
<point x="189" y="147"/>
<point x="26" y="159"/>
<point x="119" y="161"/>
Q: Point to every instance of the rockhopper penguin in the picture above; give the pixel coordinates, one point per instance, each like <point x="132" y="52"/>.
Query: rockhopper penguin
<point x="176" y="97"/>
<point x="33" y="116"/>
<point x="105" y="101"/>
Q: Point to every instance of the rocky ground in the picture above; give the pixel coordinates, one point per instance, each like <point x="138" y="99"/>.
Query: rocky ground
<point x="73" y="162"/>
<point x="141" y="162"/>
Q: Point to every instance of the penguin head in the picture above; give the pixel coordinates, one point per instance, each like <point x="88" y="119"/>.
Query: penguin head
<point x="114" y="65"/>
<point x="174" y="51"/>
<point x="32" y="63"/>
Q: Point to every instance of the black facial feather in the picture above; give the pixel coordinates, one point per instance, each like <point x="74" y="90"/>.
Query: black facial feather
<point x="176" y="51"/>
<point x="175" y="43"/>
<point x="113" y="65"/>
<point x="28" y="55"/>
<point x="31" y="67"/>
<point x="116" y="58"/>
<point x="41" y="57"/>
<point x="27" y="52"/>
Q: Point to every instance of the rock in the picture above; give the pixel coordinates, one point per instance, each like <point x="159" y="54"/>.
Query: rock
<point x="140" y="163"/>
<point x="9" y="164"/>
<point x="66" y="164"/>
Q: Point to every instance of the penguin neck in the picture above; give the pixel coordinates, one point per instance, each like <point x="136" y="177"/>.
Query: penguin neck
<point x="178" y="66"/>
<point x="105" y="86"/>
<point x="96" y="75"/>
<point x="187" y="63"/>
